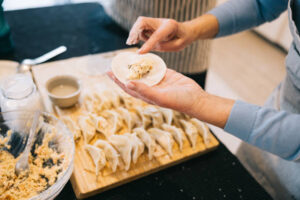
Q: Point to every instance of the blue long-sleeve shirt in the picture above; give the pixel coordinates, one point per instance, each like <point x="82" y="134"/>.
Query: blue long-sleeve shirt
<point x="238" y="15"/>
<point x="273" y="130"/>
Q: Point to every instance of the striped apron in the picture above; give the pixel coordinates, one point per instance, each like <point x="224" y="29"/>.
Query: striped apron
<point x="193" y="59"/>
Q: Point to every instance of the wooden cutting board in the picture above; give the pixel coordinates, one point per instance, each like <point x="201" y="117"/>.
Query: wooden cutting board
<point x="91" y="71"/>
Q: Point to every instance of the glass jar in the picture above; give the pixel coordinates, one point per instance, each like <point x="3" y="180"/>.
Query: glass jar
<point x="19" y="93"/>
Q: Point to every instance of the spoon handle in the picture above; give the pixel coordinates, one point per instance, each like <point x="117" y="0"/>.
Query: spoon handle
<point x="35" y="121"/>
<point x="49" y="55"/>
<point x="22" y="163"/>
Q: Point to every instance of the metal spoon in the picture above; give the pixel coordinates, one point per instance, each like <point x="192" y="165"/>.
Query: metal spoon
<point x="26" y="64"/>
<point x="22" y="164"/>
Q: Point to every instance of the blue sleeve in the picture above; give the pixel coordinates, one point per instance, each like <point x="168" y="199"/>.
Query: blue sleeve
<point x="238" y="15"/>
<point x="277" y="132"/>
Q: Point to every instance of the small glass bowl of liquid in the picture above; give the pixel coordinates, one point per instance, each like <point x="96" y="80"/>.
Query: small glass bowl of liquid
<point x="64" y="90"/>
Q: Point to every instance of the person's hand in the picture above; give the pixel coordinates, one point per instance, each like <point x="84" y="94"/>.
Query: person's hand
<point x="161" y="34"/>
<point x="181" y="93"/>
<point x="175" y="91"/>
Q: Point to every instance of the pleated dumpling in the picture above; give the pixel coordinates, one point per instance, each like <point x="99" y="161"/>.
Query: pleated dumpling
<point x="101" y="102"/>
<point x="135" y="119"/>
<point x="130" y="118"/>
<point x="96" y="103"/>
<point x="114" y="121"/>
<point x="113" y="97"/>
<point x="163" y="138"/>
<point x="128" y="101"/>
<point x="191" y="131"/>
<point x="168" y="115"/>
<point x="100" y="123"/>
<point x="147" y="139"/>
<point x="177" y="134"/>
<point x="138" y="146"/>
<point x="97" y="155"/>
<point x="87" y="127"/>
<point x="155" y="114"/>
<point x="88" y="103"/>
<point x="125" y="115"/>
<point x="146" y="119"/>
<point x="111" y="154"/>
<point x="202" y="130"/>
<point x="72" y="126"/>
<point x="176" y="118"/>
<point x="124" y="146"/>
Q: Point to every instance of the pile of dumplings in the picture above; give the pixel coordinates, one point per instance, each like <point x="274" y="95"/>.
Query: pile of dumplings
<point x="130" y="128"/>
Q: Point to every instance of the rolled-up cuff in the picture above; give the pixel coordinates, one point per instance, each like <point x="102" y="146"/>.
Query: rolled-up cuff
<point x="241" y="120"/>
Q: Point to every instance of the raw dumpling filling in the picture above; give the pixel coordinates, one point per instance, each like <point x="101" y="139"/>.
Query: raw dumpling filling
<point x="139" y="69"/>
<point x="147" y="68"/>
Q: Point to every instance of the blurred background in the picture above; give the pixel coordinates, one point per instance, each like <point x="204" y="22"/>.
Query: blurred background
<point x="277" y="31"/>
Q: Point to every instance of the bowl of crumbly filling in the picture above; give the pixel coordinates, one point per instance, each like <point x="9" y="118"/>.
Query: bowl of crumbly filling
<point x="50" y="159"/>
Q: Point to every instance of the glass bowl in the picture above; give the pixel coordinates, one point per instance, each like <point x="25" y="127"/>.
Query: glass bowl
<point x="19" y="123"/>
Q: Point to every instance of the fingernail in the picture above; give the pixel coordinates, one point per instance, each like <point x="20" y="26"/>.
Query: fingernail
<point x="130" y="85"/>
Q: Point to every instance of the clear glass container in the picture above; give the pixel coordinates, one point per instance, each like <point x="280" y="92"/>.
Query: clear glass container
<point x="17" y="121"/>
<point x="18" y="92"/>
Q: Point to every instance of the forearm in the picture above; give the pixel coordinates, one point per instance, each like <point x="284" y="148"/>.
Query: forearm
<point x="213" y="109"/>
<point x="271" y="130"/>
<point x="265" y="128"/>
<point x="203" y="27"/>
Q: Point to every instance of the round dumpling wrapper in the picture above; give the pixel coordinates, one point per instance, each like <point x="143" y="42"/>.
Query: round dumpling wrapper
<point x="121" y="62"/>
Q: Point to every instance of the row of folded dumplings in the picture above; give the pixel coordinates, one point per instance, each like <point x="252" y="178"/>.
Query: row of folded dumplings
<point x="130" y="126"/>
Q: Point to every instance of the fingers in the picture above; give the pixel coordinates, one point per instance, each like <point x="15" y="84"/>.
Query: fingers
<point x="127" y="89"/>
<point x="153" y="31"/>
<point x="145" y="35"/>
<point x="133" y="37"/>
<point x="112" y="76"/>
<point x="136" y="30"/>
<point x="170" y="46"/>
<point x="123" y="86"/>
<point x="164" y="31"/>
<point x="146" y="92"/>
